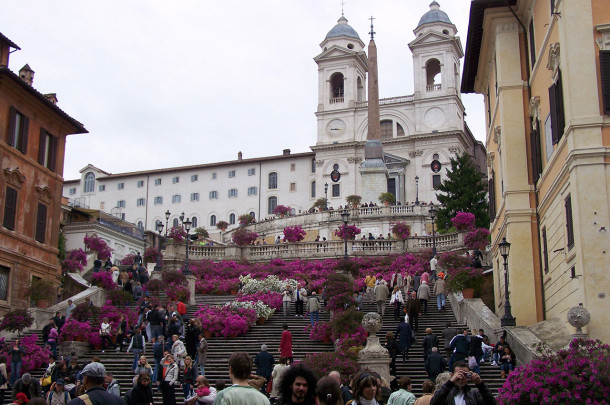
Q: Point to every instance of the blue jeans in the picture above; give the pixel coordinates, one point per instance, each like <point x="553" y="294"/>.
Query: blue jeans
<point x="201" y="369"/>
<point x="136" y="356"/>
<point x="440" y="301"/>
<point x="15" y="372"/>
<point x="156" y="370"/>
<point x="506" y="367"/>
<point x="53" y="345"/>
<point x="314" y="315"/>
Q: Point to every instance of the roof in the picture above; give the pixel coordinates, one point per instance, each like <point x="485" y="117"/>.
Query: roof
<point x="342" y="29"/>
<point x="5" y="71"/>
<point x="10" y="43"/>
<point x="475" y="37"/>
<point x="435" y="15"/>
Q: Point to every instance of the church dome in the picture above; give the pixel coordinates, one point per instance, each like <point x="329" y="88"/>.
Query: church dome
<point x="342" y="29"/>
<point x="435" y="15"/>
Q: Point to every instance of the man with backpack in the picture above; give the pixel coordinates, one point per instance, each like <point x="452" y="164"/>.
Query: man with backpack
<point x="138" y="345"/>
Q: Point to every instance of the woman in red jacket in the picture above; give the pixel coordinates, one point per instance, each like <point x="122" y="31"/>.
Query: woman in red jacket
<point x="286" y="344"/>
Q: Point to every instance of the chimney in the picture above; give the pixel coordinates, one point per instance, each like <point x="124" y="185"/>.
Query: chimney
<point x="286" y="152"/>
<point x="27" y="74"/>
<point x="52" y="97"/>
<point x="239" y="155"/>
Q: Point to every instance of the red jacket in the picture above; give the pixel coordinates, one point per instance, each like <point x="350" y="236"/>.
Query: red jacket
<point x="286" y="344"/>
<point x="181" y="308"/>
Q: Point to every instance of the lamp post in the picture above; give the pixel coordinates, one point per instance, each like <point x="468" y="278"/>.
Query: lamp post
<point x="182" y="218"/>
<point x="345" y="217"/>
<point x="432" y="213"/>
<point x="167" y="215"/>
<point x="187" y="227"/>
<point x="416" y="190"/>
<point x="507" y="319"/>
<point x="158" y="266"/>
<point x="325" y="196"/>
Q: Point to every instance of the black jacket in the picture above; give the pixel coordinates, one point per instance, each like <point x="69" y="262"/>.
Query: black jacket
<point x="428" y="343"/>
<point x="476" y="347"/>
<point x="460" y="344"/>
<point x="478" y="396"/>
<point x="31" y="391"/>
<point x="99" y="396"/>
<point x="392" y="348"/>
<point x="264" y="362"/>
<point x="139" y="395"/>
<point x="435" y="364"/>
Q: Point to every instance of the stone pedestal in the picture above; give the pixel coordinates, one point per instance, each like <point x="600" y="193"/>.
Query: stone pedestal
<point x="374" y="178"/>
<point x="80" y="348"/>
<point x="190" y="279"/>
<point x="374" y="356"/>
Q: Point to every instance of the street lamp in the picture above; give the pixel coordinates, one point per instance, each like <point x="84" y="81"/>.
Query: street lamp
<point x="187" y="227"/>
<point x="507" y="319"/>
<point x="345" y="217"/>
<point x="167" y="215"/>
<point x="182" y="218"/>
<point x="432" y="213"/>
<point x="158" y="266"/>
<point x="325" y="196"/>
<point x="416" y="190"/>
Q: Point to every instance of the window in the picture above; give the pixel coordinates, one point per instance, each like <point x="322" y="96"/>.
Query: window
<point x="141" y="225"/>
<point x="435" y="156"/>
<point x="41" y="223"/>
<point x="436" y="181"/>
<point x="157" y="182"/>
<point x="399" y="130"/>
<point x="213" y="220"/>
<point x="194" y="196"/>
<point x="569" y="224"/>
<point x="194" y="222"/>
<point x="158" y="200"/>
<point x="194" y="177"/>
<point x="313" y="165"/>
<point x="175" y="179"/>
<point x="557" y="112"/>
<point x="122" y="216"/>
<point x="232" y="219"/>
<point x="293" y="186"/>
<point x="545" y="251"/>
<point x="231" y="173"/>
<point x="102" y="205"/>
<point x="10" y="208"/>
<point x="293" y="167"/>
<point x="214" y="176"/>
<point x="89" y="182"/>
<point x="271" y="204"/>
<point x="140" y="202"/>
<point x="232" y="192"/>
<point x="336" y="192"/>
<point x="251" y="171"/>
<point x="252" y="190"/>
<point x="492" y="197"/>
<point x="213" y="195"/>
<point x="536" y="149"/>
<point x="176" y="199"/>
<point x="552" y="6"/>
<point x="252" y="214"/>
<point x="604" y="68"/>
<point x="47" y="150"/>
<point x="102" y="187"/>
<point x="313" y="189"/>
<point x="72" y="190"/>
<point x="4" y="273"/>
<point x="175" y="222"/>
<point x="272" y="180"/>
<point x="121" y="186"/>
<point x="433" y="75"/>
<point x="120" y="204"/>
<point x="140" y="183"/>
<point x="336" y="88"/>
<point x="532" y="43"/>
<point x="18" y="130"/>
<point x="386" y="129"/>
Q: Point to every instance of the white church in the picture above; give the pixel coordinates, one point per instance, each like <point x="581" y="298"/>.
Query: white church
<point x="412" y="139"/>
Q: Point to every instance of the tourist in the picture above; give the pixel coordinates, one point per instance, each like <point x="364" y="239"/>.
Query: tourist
<point x="202" y="354"/>
<point x="20" y="399"/>
<point x="94" y="375"/>
<point x="487" y="349"/>
<point x="27" y="385"/>
<point x="457" y="390"/>
<point x="428" y="389"/>
<point x="425" y="277"/>
<point x="141" y="394"/>
<point x="58" y="394"/>
<point x="413" y="309"/>
<point x="105" y="330"/>
<point x="137" y="346"/>
<point x="397" y="279"/>
<point x="298" y="386"/>
<point x="286" y="300"/>
<point x="416" y="281"/>
<point x="423" y="294"/>
<point x="143" y="367"/>
<point x="346" y="393"/>
<point x="507" y="361"/>
<point x="276" y="375"/>
<point x="169" y="379"/>
<point x="191" y="336"/>
<point x="476" y="350"/>
<point x="52" y="339"/>
<point x="46" y="329"/>
<point x="3" y="372"/>
<point x="137" y="290"/>
<point x="264" y="362"/>
<point x="71" y="306"/>
<point x="123" y="277"/>
<point x="499" y="350"/>
<point x="404" y="335"/>
<point x="112" y="385"/>
<point x="178" y="350"/>
<point x="460" y="347"/>
<point x="435" y="363"/>
<point x="429" y="341"/>
<point x="97" y="265"/>
<point x="433" y="266"/>
<point x="286" y="343"/>
<point x="240" y="367"/>
<point x="369" y="282"/>
<point x="16" y="353"/>
<point x="121" y="332"/>
<point x="448" y="334"/>
<point x="189" y="376"/>
<point x="328" y="391"/>
<point x="381" y="296"/>
<point x="396" y="301"/>
<point x="300" y="295"/>
<point x="440" y="291"/>
<point x="392" y="348"/>
<point x="365" y="388"/>
<point x="313" y="308"/>
<point x="202" y="393"/>
<point x="403" y="396"/>
<point x="157" y="357"/>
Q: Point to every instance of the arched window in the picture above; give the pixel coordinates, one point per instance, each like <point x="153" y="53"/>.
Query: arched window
<point x="360" y="89"/>
<point x="271" y="204"/>
<point x="433" y="75"/>
<point x="313" y="165"/>
<point x="140" y="225"/>
<point x="175" y="222"/>
<point x="399" y="130"/>
<point x="194" y="220"/>
<point x="232" y="219"/>
<point x="89" y="182"/>
<point x="336" y="88"/>
<point x="252" y="214"/>
<point x="313" y="189"/>
<point x="213" y="220"/>
<point x="272" y="180"/>
<point x="386" y="129"/>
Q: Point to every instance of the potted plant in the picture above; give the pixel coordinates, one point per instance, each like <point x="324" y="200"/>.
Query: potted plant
<point x="387" y="198"/>
<point x="463" y="221"/>
<point x="320" y="204"/>
<point x="151" y="254"/>
<point x="460" y="276"/>
<point x="222" y="225"/>
<point x="202" y="232"/>
<point x="41" y="292"/>
<point x="281" y="210"/>
<point x="294" y="233"/>
<point x="353" y="200"/>
<point x="16" y="321"/>
<point x="246" y="219"/>
<point x="401" y="230"/>
<point x="350" y="230"/>
<point x="243" y="237"/>
<point x="177" y="233"/>
<point x="99" y="245"/>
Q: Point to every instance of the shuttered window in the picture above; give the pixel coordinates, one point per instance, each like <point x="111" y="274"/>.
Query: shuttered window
<point x="569" y="224"/>
<point x="492" y="198"/>
<point x="41" y="223"/>
<point x="18" y="130"/>
<point x="604" y="61"/>
<point x="47" y="150"/>
<point x="545" y="251"/>
<point x="536" y="149"/>
<point x="10" y="208"/>
<point x="557" y="112"/>
<point x="532" y="43"/>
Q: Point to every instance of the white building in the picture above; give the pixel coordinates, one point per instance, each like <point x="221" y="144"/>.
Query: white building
<point x="419" y="132"/>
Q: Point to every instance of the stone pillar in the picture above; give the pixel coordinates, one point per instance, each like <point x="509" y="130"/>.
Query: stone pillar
<point x="374" y="357"/>
<point x="190" y="279"/>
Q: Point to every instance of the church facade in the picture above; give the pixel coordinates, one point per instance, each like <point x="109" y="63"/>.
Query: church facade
<point x="419" y="133"/>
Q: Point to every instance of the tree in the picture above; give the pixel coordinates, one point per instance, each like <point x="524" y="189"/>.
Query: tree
<point x="463" y="190"/>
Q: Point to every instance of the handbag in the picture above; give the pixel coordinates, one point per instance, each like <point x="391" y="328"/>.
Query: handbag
<point x="472" y="362"/>
<point x="269" y="385"/>
<point x="45" y="381"/>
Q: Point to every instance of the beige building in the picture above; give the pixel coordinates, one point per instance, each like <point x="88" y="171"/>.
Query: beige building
<point x="543" y="68"/>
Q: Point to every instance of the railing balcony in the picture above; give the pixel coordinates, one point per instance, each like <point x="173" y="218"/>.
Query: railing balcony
<point x="337" y="100"/>
<point x="433" y="87"/>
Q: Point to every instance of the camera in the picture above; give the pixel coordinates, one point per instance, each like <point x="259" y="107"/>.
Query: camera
<point x="469" y="375"/>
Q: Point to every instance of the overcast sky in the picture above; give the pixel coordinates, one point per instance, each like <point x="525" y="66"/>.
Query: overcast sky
<point x="163" y="83"/>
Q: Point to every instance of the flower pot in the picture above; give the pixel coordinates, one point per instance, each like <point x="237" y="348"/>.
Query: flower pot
<point x="43" y="303"/>
<point x="468" y="292"/>
<point x="282" y="215"/>
<point x="260" y="321"/>
<point x="207" y="334"/>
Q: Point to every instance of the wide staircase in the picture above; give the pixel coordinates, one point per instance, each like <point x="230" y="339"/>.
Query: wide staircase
<point x="220" y="349"/>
